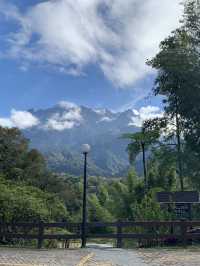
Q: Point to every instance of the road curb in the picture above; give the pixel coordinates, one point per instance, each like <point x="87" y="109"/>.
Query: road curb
<point x="84" y="259"/>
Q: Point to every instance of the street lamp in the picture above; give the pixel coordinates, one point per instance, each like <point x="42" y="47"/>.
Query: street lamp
<point x="85" y="151"/>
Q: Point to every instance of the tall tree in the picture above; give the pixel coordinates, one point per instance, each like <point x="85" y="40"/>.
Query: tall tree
<point x="178" y="80"/>
<point x="170" y="129"/>
<point x="140" y="142"/>
<point x="13" y="151"/>
<point x="18" y="162"/>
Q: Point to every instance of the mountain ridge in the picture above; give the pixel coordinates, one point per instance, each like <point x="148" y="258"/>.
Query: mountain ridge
<point x="63" y="128"/>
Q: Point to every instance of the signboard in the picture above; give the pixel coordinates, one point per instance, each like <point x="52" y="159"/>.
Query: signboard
<point x="187" y="196"/>
<point x="164" y="197"/>
<point x="178" y="197"/>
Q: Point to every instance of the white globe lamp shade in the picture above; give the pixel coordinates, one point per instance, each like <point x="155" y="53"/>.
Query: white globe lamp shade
<point x="86" y="148"/>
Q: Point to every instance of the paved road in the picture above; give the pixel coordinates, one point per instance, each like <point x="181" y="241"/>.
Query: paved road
<point x="103" y="256"/>
<point x="30" y="257"/>
<point x="115" y="257"/>
<point x="152" y="257"/>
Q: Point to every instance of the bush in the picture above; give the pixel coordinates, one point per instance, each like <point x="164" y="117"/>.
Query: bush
<point x="28" y="204"/>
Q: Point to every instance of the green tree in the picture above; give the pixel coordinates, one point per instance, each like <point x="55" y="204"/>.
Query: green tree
<point x="149" y="209"/>
<point x="13" y="149"/>
<point x="103" y="195"/>
<point x="17" y="161"/>
<point x="171" y="141"/>
<point x="21" y="203"/>
<point x="140" y="142"/>
<point x="98" y="213"/>
<point x="162" y="168"/>
<point x="123" y="195"/>
<point x="178" y="80"/>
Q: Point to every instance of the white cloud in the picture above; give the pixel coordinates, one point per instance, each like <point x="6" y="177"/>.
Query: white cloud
<point x="6" y="122"/>
<point x="116" y="35"/>
<point x="145" y="113"/>
<point x="100" y="111"/>
<point x="106" y="119"/>
<point x="20" y="119"/>
<point x="135" y="112"/>
<point x="23" y="119"/>
<point x="66" y="120"/>
<point x="67" y="105"/>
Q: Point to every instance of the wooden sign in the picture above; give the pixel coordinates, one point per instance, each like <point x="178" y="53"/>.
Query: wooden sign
<point x="178" y="197"/>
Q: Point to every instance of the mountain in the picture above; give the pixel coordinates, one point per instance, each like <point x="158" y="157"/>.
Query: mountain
<point x="63" y="129"/>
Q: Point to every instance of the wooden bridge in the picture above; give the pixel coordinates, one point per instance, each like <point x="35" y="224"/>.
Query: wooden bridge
<point x="141" y="230"/>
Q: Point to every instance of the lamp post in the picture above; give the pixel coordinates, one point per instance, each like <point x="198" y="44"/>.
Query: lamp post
<point x="85" y="151"/>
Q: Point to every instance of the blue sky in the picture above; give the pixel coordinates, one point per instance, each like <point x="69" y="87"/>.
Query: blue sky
<point x="39" y="88"/>
<point x="89" y="52"/>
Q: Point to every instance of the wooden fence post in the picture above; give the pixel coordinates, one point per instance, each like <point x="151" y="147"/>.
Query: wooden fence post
<point x="40" y="235"/>
<point x="184" y="234"/>
<point x="119" y="238"/>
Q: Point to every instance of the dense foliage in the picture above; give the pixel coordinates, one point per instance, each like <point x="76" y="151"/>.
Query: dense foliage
<point x="26" y="203"/>
<point x="27" y="189"/>
<point x="29" y="192"/>
<point x="178" y="80"/>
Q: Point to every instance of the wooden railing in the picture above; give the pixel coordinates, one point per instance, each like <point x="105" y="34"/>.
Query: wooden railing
<point x="149" y="230"/>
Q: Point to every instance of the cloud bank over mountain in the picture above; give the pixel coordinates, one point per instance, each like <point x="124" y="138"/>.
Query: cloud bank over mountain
<point x="67" y="115"/>
<point x="69" y="35"/>
<point x="68" y="119"/>
<point x="59" y="132"/>
<point x="145" y="113"/>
